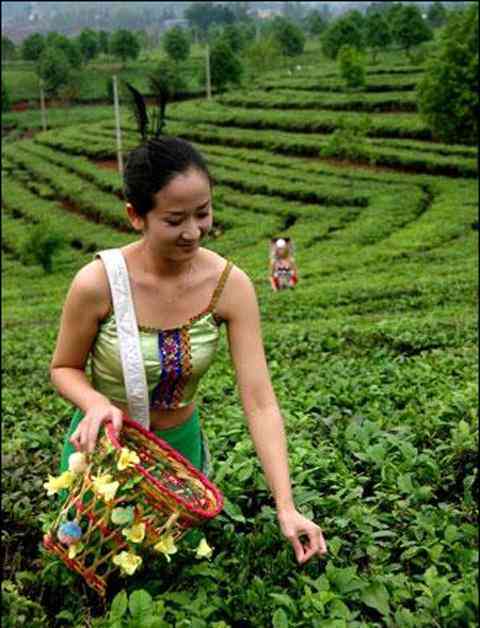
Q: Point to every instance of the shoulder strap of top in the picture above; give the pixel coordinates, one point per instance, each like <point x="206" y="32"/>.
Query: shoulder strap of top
<point x="128" y="336"/>
<point x="220" y="285"/>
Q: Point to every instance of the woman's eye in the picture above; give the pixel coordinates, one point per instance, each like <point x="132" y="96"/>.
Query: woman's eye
<point x="173" y="224"/>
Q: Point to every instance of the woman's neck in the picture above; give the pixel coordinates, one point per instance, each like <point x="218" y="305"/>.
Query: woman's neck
<point x="153" y="264"/>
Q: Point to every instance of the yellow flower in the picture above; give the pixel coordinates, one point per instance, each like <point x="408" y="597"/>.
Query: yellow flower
<point x="75" y="549"/>
<point x="105" y="487"/>
<point x="136" y="533"/>
<point x="166" y="546"/>
<point x="55" y="484"/>
<point x="128" y="562"/>
<point x="127" y="459"/>
<point x="77" y="462"/>
<point x="204" y="550"/>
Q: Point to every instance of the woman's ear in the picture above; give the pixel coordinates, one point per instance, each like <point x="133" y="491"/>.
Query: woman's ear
<point x="137" y="221"/>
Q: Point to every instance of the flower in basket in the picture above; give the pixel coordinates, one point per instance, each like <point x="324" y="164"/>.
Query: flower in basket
<point x="204" y="550"/>
<point x="73" y="550"/>
<point x="136" y="533"/>
<point x="77" y="462"/>
<point x="166" y="546"/>
<point x="69" y="533"/>
<point x="56" y="484"/>
<point x="127" y="459"/>
<point x="122" y="516"/>
<point x="105" y="487"/>
<point x="128" y="562"/>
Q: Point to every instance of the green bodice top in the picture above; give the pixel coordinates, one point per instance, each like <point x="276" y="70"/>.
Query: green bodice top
<point x="174" y="359"/>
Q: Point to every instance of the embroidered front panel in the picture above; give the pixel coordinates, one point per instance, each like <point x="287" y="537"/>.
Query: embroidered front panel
<point x="175" y="357"/>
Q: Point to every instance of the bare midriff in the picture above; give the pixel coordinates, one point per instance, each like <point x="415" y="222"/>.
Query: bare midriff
<point x="164" y="419"/>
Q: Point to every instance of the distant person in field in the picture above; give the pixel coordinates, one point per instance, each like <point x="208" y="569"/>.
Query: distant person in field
<point x="182" y="293"/>
<point x="283" y="270"/>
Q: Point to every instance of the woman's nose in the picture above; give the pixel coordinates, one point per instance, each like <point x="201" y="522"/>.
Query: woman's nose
<point x="192" y="232"/>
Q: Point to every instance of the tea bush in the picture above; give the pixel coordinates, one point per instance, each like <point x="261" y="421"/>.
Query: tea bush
<point x="373" y="357"/>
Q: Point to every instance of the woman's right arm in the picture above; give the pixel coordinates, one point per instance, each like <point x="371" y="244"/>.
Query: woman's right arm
<point x="86" y="304"/>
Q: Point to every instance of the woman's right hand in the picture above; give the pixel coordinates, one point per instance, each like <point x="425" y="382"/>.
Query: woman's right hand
<point x="84" y="438"/>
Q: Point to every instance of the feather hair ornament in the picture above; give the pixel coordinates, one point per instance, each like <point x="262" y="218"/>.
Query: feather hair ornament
<point x="139" y="111"/>
<point x="153" y="126"/>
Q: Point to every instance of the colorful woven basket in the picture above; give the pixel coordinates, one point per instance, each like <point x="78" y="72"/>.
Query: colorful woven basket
<point x="134" y="497"/>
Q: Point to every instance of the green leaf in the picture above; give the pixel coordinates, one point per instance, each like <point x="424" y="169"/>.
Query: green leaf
<point x="279" y="619"/>
<point x="451" y="533"/>
<point x="404" y="483"/>
<point x="233" y="511"/>
<point x="284" y="600"/>
<point x="140" y="603"/>
<point x="376" y="596"/>
<point x="65" y="615"/>
<point x="119" y="605"/>
<point x="245" y="472"/>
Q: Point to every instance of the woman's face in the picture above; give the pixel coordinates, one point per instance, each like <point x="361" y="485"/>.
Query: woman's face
<point x="181" y="216"/>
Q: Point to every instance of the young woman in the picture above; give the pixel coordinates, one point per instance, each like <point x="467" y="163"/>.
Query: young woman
<point x="283" y="270"/>
<point x="181" y="295"/>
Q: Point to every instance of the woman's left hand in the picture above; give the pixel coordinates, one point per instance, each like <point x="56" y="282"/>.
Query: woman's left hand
<point x="294" y="525"/>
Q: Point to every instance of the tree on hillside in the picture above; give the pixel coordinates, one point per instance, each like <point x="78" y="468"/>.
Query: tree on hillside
<point x="9" y="52"/>
<point x="341" y="32"/>
<point x="54" y="69"/>
<point x="289" y="35"/>
<point x="32" y="47"/>
<point x="103" y="42"/>
<point x="293" y="11"/>
<point x="447" y="95"/>
<point x="88" y="44"/>
<point x="377" y="34"/>
<point x="124" y="44"/>
<point x="352" y="67"/>
<point x="436" y="15"/>
<point x="6" y="103"/>
<point x="409" y="29"/>
<point x="176" y="44"/>
<point x="201" y="15"/>
<point x="315" y="23"/>
<point x="264" y="54"/>
<point x="381" y="8"/>
<point x="357" y="18"/>
<point x="165" y="82"/>
<point x="234" y="37"/>
<point x="225" y="66"/>
<point x="68" y="46"/>
<point x="248" y="33"/>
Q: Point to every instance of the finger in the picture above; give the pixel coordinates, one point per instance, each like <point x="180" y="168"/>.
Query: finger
<point x="312" y="546"/>
<point x="83" y="429"/>
<point x="117" y="421"/>
<point x="75" y="438"/>
<point x="298" y="548"/>
<point x="92" y="435"/>
<point x="323" y="546"/>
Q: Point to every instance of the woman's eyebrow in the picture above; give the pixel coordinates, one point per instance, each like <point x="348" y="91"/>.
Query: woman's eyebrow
<point x="182" y="212"/>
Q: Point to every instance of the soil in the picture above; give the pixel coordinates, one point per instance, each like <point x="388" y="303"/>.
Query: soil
<point x="21" y="105"/>
<point x="106" y="164"/>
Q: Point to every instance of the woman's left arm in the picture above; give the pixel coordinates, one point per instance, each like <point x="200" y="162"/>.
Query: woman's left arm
<point x="263" y="414"/>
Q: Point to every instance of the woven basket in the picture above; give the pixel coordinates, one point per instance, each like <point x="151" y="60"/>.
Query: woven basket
<point x="164" y="495"/>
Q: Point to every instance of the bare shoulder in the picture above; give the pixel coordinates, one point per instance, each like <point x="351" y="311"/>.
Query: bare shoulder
<point x="238" y="295"/>
<point x="90" y="288"/>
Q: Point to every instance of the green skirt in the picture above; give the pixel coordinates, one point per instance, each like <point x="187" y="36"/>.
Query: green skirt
<point x="188" y="438"/>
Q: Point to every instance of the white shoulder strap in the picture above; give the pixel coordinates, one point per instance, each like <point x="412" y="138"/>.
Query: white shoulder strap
<point x="128" y="336"/>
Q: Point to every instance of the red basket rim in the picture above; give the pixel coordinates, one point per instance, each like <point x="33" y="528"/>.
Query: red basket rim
<point x="178" y="457"/>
